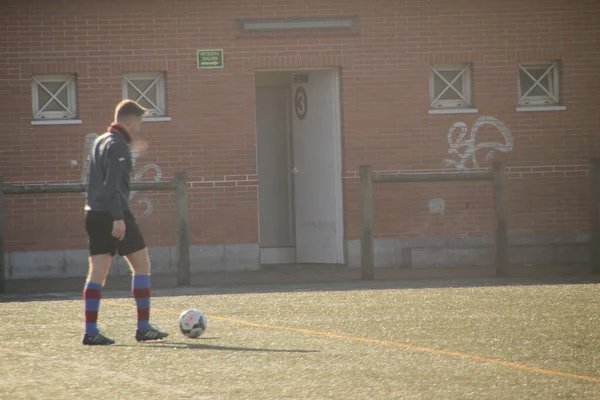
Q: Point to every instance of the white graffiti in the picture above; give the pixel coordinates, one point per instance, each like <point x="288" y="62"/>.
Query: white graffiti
<point x="87" y="147"/>
<point x="469" y="146"/>
<point x="437" y="206"/>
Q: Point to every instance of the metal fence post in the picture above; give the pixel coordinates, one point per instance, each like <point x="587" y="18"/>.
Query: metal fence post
<point x="501" y="257"/>
<point x="2" y="266"/>
<point x="367" y="257"/>
<point x="595" y="211"/>
<point x="183" y="236"/>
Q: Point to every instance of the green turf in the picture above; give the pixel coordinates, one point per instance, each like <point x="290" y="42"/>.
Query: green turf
<point x="341" y="341"/>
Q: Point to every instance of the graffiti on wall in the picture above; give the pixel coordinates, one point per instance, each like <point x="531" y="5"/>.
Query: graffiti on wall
<point x="157" y="171"/>
<point x="465" y="147"/>
<point x="437" y="206"/>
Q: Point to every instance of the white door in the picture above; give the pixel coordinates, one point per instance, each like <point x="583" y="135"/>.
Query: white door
<point x="276" y="225"/>
<point x="317" y="167"/>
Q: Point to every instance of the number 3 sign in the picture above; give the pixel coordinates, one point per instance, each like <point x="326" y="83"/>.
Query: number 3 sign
<point x="301" y="102"/>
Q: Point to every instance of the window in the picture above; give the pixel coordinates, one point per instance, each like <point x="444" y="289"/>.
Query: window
<point x="450" y="86"/>
<point x="148" y="89"/>
<point x="53" y="97"/>
<point x="538" y="84"/>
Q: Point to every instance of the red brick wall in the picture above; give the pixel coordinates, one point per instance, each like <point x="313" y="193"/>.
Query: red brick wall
<point x="385" y="86"/>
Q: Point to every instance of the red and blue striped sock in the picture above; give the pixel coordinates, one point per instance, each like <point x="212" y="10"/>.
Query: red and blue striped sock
<point x="141" y="292"/>
<point x="92" y="293"/>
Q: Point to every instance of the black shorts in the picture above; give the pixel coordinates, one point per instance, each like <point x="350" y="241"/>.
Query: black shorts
<point x="99" y="226"/>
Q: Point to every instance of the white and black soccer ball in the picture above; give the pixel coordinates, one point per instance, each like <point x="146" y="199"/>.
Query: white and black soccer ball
<point x="192" y="323"/>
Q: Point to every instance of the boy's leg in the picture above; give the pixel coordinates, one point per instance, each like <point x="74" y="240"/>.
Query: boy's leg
<point x="92" y="291"/>
<point x="102" y="248"/>
<point x="139" y="263"/>
<point x="133" y="248"/>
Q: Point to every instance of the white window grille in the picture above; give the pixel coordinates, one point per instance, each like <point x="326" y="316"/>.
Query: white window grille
<point x="53" y="97"/>
<point x="148" y="89"/>
<point x="538" y="83"/>
<point x="450" y="86"/>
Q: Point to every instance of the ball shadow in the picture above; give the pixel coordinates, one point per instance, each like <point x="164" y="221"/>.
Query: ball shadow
<point x="201" y="346"/>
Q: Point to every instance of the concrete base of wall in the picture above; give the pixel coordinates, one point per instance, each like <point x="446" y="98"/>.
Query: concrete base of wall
<point x="278" y="255"/>
<point x="396" y="253"/>
<point x="474" y="251"/>
<point x="74" y="263"/>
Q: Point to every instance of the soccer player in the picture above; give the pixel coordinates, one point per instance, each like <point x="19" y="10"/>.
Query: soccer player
<point x="111" y="227"/>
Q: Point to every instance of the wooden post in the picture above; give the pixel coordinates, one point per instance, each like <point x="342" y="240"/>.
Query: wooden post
<point x="183" y="236"/>
<point x="367" y="257"/>
<point x="500" y="219"/>
<point x="595" y="208"/>
<point x="2" y="266"/>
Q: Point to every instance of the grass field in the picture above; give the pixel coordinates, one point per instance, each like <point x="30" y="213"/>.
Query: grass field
<point x="451" y="339"/>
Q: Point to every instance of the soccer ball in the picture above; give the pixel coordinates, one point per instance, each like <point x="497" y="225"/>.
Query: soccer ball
<point x="192" y="323"/>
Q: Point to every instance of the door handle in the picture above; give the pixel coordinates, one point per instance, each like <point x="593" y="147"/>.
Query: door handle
<point x="295" y="171"/>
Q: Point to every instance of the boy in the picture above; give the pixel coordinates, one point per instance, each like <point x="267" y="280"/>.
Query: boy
<point x="111" y="227"/>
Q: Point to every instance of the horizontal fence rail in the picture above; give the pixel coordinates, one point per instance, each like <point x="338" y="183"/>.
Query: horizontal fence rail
<point x="178" y="184"/>
<point x="497" y="176"/>
<point x="434" y="177"/>
<point x="80" y="188"/>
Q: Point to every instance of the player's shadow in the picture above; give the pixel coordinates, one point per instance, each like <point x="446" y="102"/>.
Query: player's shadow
<point x="202" y="346"/>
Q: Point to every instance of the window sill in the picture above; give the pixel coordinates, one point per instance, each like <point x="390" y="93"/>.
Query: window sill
<point x="56" y="122"/>
<point x="453" y="111"/>
<point x="541" y="108"/>
<point x="157" y="119"/>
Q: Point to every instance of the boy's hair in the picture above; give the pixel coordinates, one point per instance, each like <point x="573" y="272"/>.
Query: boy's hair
<point x="128" y="108"/>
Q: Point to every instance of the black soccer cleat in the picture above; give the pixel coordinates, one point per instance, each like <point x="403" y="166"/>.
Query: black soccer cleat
<point x="150" y="334"/>
<point x="96" y="340"/>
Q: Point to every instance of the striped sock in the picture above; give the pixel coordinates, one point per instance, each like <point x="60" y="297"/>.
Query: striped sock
<point x="141" y="292"/>
<point x="92" y="293"/>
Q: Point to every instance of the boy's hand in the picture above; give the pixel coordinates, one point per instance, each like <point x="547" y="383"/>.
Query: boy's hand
<point x="139" y="147"/>
<point x="118" y="230"/>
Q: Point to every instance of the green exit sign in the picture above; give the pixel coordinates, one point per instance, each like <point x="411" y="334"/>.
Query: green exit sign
<point x="210" y="58"/>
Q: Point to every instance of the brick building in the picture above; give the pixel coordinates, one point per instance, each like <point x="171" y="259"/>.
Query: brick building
<point x="273" y="105"/>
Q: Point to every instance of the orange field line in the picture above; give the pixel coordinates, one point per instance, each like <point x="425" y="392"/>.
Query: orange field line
<point x="509" y="364"/>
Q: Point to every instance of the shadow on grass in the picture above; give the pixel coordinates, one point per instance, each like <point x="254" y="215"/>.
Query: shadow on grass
<point x="201" y="346"/>
<point x="119" y="287"/>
